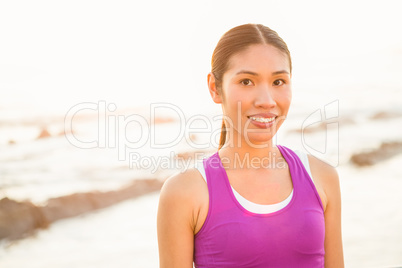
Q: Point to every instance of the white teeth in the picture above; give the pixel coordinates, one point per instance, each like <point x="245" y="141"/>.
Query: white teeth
<point x="262" y="120"/>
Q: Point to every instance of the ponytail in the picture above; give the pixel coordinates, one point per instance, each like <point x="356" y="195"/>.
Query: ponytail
<point x="223" y="135"/>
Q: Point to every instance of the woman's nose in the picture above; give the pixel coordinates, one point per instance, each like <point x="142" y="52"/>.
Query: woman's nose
<point x="264" y="98"/>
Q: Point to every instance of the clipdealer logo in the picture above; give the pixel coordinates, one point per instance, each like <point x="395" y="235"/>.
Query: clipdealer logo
<point x="112" y="131"/>
<point x="327" y="141"/>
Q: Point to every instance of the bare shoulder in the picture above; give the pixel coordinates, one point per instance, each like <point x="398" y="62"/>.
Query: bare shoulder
<point x="326" y="176"/>
<point x="184" y="197"/>
<point x="185" y="189"/>
<point x="184" y="183"/>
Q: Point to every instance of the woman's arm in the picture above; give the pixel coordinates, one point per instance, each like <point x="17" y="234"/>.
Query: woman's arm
<point x="176" y="220"/>
<point x="328" y="179"/>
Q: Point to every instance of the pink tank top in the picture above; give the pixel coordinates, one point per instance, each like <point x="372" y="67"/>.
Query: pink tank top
<point x="235" y="237"/>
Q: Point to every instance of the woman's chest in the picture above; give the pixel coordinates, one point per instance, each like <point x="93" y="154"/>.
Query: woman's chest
<point x="262" y="187"/>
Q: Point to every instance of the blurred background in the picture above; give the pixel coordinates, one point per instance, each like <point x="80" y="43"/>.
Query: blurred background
<point x="97" y="99"/>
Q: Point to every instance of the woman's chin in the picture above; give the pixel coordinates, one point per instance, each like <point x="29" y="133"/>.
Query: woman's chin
<point x="259" y="139"/>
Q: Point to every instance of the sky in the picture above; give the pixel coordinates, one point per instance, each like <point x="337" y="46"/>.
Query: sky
<point x="55" y="54"/>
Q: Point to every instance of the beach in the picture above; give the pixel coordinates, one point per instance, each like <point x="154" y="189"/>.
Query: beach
<point x="124" y="235"/>
<point x="101" y="103"/>
<point x="119" y="236"/>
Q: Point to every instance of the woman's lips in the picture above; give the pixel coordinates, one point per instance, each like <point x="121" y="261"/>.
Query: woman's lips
<point x="263" y="115"/>
<point x="268" y="121"/>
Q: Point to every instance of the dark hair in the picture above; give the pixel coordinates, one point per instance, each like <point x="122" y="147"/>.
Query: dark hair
<point x="236" y="40"/>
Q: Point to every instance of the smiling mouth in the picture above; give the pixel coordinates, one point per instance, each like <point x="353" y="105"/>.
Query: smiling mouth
<point x="262" y="119"/>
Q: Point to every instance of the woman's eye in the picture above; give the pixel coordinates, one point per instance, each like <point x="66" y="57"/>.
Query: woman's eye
<point x="246" y="82"/>
<point x="279" y="82"/>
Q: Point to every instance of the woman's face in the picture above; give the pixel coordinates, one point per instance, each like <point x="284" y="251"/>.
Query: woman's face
<point x="256" y="93"/>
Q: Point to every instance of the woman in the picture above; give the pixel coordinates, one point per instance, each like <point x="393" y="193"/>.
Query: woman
<point x="251" y="204"/>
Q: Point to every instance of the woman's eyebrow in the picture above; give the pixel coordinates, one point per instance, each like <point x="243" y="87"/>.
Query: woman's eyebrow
<point x="280" y="72"/>
<point x="246" y="72"/>
<point x="256" y="74"/>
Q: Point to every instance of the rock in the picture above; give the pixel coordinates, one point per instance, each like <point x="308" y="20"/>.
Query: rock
<point x="322" y="126"/>
<point x="385" y="151"/>
<point x="67" y="206"/>
<point x="65" y="133"/>
<point x="161" y="120"/>
<point x="19" y="218"/>
<point x="384" y="115"/>
<point x="193" y="137"/>
<point x="44" y="134"/>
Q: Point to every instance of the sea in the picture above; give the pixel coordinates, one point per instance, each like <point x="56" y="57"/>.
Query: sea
<point x="96" y="107"/>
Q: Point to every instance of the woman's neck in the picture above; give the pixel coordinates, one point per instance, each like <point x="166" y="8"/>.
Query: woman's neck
<point x="242" y="154"/>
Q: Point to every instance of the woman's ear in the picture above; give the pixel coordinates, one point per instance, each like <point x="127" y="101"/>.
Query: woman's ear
<point x="216" y="97"/>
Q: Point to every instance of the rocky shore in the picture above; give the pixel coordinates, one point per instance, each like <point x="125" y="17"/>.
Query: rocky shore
<point x="20" y="219"/>
<point x="385" y="151"/>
